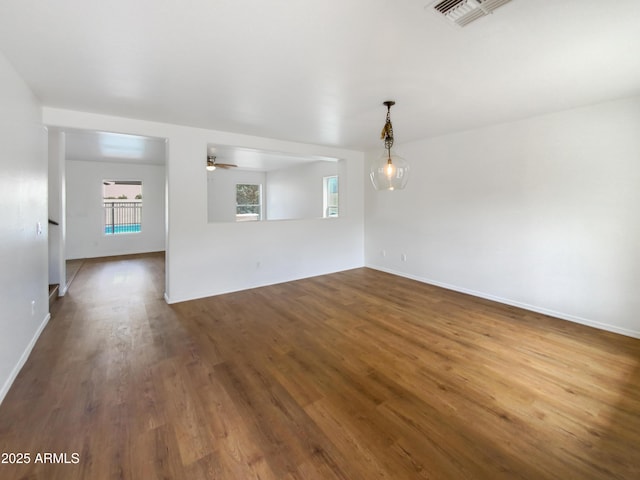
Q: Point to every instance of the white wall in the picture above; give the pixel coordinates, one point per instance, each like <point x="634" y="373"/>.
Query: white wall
<point x="85" y="236"/>
<point x="210" y="258"/>
<point x="23" y="253"/>
<point x="540" y="213"/>
<point x="296" y="192"/>
<point x="56" y="208"/>
<point x="221" y="192"/>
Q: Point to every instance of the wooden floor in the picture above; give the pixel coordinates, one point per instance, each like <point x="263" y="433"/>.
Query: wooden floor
<point x="355" y="375"/>
<point x="72" y="268"/>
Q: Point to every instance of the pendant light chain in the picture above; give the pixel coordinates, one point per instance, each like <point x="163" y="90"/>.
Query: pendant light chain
<point x="387" y="131"/>
<point x="389" y="171"/>
<point x="388" y="139"/>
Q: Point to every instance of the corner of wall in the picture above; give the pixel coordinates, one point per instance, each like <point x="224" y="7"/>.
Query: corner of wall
<point x="23" y="359"/>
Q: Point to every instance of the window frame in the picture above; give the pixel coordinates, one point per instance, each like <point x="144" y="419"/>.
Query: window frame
<point x="260" y="204"/>
<point x="129" y="217"/>
<point x="326" y="204"/>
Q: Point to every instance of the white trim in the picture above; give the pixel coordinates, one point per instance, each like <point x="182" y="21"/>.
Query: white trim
<point x="23" y="359"/>
<point x="514" y="303"/>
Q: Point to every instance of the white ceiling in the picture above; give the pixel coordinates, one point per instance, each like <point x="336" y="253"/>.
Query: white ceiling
<point x="92" y="146"/>
<point x="318" y="72"/>
<point x="260" y="160"/>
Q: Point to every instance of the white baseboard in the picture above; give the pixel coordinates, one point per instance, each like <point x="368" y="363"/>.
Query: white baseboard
<point x="23" y="359"/>
<point x="513" y="303"/>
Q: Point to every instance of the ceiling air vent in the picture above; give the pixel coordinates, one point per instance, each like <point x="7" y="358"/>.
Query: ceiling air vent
<point x="463" y="12"/>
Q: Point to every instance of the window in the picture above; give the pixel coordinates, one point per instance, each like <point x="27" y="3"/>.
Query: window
<point x="330" y="196"/>
<point x="248" y="202"/>
<point x="122" y="200"/>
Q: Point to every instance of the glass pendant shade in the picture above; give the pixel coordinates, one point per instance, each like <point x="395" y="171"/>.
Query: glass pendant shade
<point x="389" y="172"/>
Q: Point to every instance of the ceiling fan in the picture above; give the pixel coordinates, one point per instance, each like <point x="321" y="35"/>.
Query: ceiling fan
<point x="212" y="164"/>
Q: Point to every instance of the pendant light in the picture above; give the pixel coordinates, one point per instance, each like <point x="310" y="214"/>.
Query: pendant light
<point x="389" y="171"/>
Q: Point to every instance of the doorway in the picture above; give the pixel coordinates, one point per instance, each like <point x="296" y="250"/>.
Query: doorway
<point x="80" y="161"/>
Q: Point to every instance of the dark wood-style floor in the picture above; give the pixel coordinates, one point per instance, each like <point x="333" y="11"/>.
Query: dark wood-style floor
<point x="355" y="375"/>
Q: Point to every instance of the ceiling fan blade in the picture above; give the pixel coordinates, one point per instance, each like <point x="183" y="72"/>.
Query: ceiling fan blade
<point x="211" y="160"/>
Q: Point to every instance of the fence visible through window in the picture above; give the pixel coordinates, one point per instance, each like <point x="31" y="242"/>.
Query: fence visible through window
<point x="122" y="217"/>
